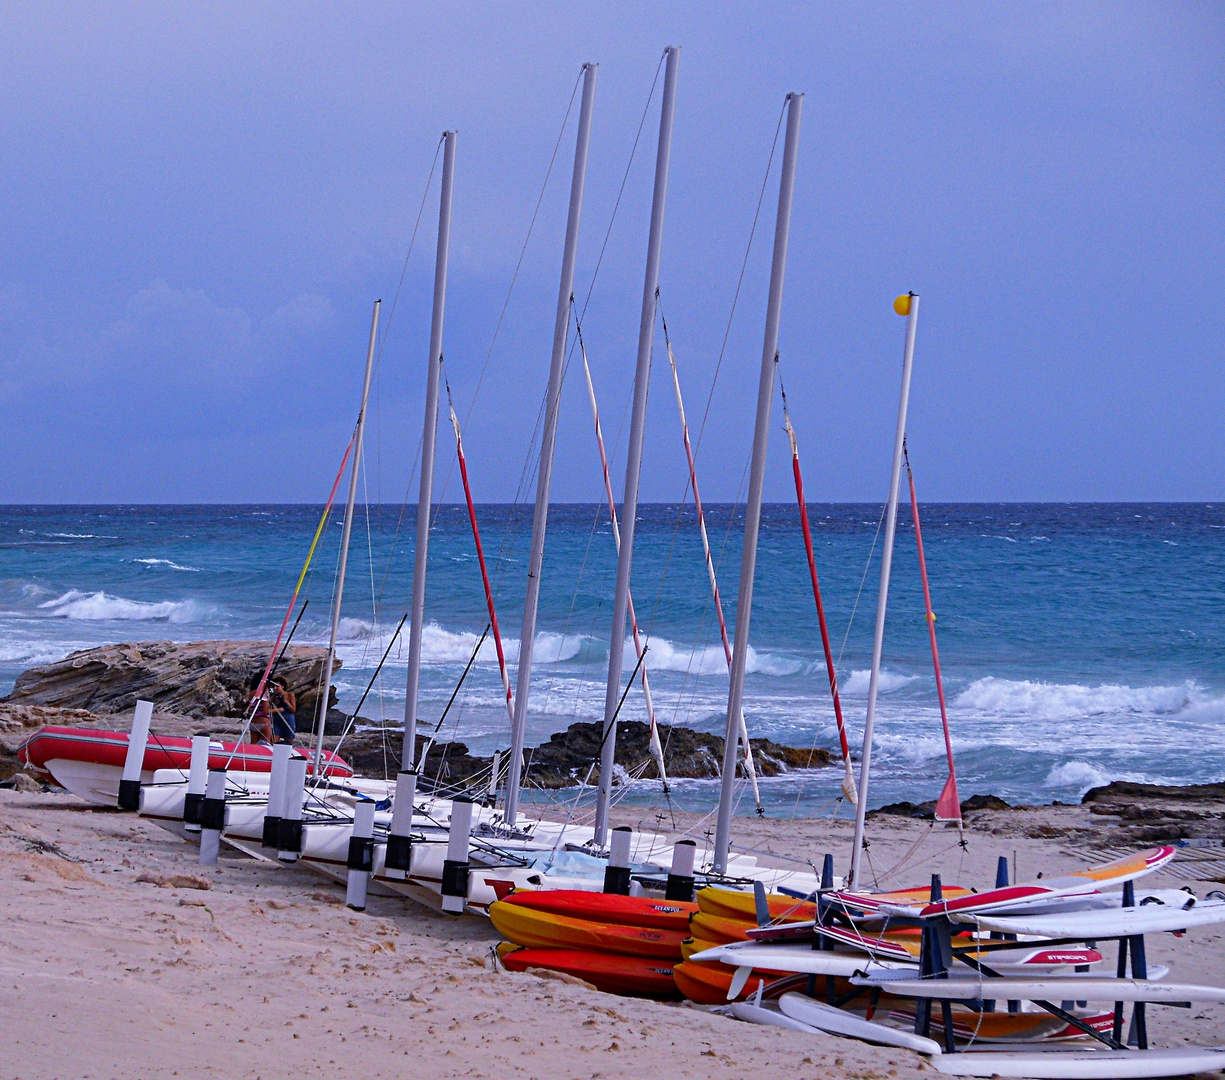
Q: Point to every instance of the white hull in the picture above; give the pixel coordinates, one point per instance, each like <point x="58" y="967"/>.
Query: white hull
<point x="1088" y="1064"/>
<point x="826" y="1018"/>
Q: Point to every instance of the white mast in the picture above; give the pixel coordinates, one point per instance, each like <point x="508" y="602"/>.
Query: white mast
<point x="429" y="439"/>
<point x="757" y="475"/>
<point x="544" y="478"/>
<point x="908" y="306"/>
<point x="397" y="857"/>
<point x="633" y="463"/>
<point x="338" y="595"/>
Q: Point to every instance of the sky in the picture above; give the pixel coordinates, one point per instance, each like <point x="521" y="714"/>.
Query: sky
<point x="199" y="203"/>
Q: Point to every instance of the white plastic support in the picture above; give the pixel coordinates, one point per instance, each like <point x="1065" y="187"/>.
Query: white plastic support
<point x="455" y="869"/>
<point x="289" y="835"/>
<point x="273" y="812"/>
<point x="197" y="780"/>
<point x="398" y="857"/>
<point x="361" y="854"/>
<point x="212" y="817"/>
<point x="129" y="785"/>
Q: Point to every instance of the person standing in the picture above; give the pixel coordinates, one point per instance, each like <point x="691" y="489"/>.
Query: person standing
<point x="284" y="707"/>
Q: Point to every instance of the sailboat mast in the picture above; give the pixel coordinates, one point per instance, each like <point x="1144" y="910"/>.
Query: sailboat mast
<point x="346" y="532"/>
<point x="544" y="477"/>
<point x="911" y="310"/>
<point x="633" y="463"/>
<point x="429" y="439"/>
<point x="757" y="476"/>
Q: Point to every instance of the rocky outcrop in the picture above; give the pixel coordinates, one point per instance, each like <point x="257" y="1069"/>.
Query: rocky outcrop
<point x="202" y="686"/>
<point x="926" y="811"/>
<point x="1157" y="813"/>
<point x="563" y="761"/>
<point x="376" y="752"/>
<point x="565" y="758"/>
<point x="200" y="679"/>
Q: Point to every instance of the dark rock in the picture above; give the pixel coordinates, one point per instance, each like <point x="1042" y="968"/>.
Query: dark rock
<point x="199" y="679"/>
<point x="984" y="802"/>
<point x="564" y="760"/>
<point x="376" y="752"/>
<point x="926" y="811"/>
<point x="1124" y="789"/>
<point x="566" y="757"/>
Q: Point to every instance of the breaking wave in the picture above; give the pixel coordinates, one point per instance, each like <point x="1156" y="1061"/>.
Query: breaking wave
<point x="102" y="607"/>
<point x="1078" y="776"/>
<point x="994" y="697"/>
<point x="168" y="564"/>
<point x="664" y="655"/>
<point x="857" y="684"/>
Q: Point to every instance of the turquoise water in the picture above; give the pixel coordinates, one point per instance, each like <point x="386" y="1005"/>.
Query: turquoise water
<point x="1079" y="643"/>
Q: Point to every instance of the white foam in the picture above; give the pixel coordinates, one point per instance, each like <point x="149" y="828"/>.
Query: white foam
<point x="1075" y="775"/>
<point x="80" y="536"/>
<point x="857" y="684"/>
<point x="168" y="564"/>
<point x="101" y="607"/>
<point x="664" y="655"/>
<point x="442" y="646"/>
<point x="355" y="630"/>
<point x="1060" y="701"/>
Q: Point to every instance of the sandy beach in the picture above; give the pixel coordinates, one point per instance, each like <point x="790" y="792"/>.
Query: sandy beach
<point x="123" y="958"/>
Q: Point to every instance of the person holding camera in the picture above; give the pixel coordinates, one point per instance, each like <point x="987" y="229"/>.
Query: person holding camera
<point x="284" y="708"/>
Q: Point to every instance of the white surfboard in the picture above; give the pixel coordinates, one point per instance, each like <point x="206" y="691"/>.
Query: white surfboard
<point x="801" y="959"/>
<point x="1057" y="988"/>
<point x="804" y="960"/>
<point x="1090" y="1064"/>
<point x="759" y="1014"/>
<point x="826" y="1018"/>
<point x="1039" y="895"/>
<point x="1115" y="922"/>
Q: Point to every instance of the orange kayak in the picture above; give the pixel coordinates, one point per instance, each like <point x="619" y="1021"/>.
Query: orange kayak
<point x="543" y="929"/>
<point x="734" y="904"/>
<point x="708" y="984"/>
<point x="612" y="973"/>
<point x="718" y="929"/>
<point x="607" y="908"/>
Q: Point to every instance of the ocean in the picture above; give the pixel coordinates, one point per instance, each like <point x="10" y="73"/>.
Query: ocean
<point x="1079" y="643"/>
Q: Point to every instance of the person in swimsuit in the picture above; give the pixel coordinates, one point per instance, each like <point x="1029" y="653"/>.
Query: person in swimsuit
<point x="284" y="710"/>
<point x="261" y="722"/>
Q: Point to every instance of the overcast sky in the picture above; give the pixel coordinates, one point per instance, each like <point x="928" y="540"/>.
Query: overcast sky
<point x="201" y="202"/>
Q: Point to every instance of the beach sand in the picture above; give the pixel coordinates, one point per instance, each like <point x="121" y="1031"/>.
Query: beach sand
<point x="265" y="973"/>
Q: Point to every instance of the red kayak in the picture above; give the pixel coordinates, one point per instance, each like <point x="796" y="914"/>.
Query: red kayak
<point x="640" y="911"/>
<point x="610" y="972"/>
<point x="161" y="752"/>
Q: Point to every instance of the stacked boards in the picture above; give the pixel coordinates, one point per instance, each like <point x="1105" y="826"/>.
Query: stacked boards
<point x="633" y="945"/>
<point x="620" y="944"/>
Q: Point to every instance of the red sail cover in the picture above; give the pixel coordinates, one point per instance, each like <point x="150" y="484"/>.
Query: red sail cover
<point x="162" y="752"/>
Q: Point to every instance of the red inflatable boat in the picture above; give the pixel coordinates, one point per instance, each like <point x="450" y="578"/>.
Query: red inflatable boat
<point x="109" y="749"/>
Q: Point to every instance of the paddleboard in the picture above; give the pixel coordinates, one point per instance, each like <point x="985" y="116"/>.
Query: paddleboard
<point x="1090" y="1064"/>
<point x="1084" y="882"/>
<point x="799" y="959"/>
<point x="1114" y="922"/>
<point x="826" y="1018"/>
<point x="1056" y="988"/>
